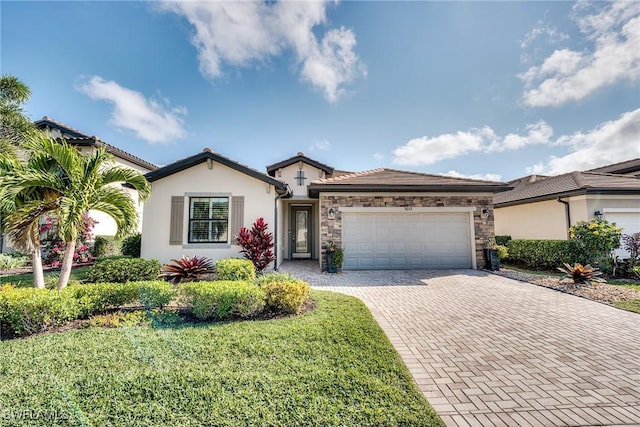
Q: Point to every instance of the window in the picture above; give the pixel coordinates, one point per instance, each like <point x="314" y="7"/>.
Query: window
<point x="208" y="219"/>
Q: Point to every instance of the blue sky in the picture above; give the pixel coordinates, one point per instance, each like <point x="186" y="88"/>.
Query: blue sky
<point x="493" y="90"/>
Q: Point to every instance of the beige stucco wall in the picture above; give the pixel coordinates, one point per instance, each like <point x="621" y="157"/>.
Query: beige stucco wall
<point x="331" y="229"/>
<point x="258" y="202"/>
<point x="289" y="174"/>
<point x="547" y="220"/>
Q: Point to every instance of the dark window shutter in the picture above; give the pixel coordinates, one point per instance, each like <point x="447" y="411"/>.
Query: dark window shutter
<point x="177" y="220"/>
<point x="237" y="215"/>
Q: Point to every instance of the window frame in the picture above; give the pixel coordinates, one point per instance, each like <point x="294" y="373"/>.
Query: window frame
<point x="211" y="219"/>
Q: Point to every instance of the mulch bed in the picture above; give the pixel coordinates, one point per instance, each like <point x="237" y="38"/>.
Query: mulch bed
<point x="600" y="292"/>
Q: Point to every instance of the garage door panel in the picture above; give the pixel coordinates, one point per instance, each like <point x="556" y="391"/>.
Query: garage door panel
<point x="629" y="222"/>
<point x="406" y="240"/>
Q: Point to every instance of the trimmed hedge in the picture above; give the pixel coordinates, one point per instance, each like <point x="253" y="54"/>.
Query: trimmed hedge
<point x="156" y="294"/>
<point x="222" y="300"/>
<point x="121" y="270"/>
<point x="106" y="246"/>
<point x="131" y="245"/>
<point x="235" y="269"/>
<point x="25" y="311"/>
<point x="503" y="240"/>
<point x="544" y="254"/>
<point x="286" y="296"/>
<point x="95" y="298"/>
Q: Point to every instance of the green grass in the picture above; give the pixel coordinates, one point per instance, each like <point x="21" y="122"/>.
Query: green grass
<point x="631" y="305"/>
<point x="331" y="366"/>
<point x="26" y="280"/>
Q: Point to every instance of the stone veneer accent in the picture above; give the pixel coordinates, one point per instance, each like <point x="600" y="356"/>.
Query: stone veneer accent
<point x="331" y="229"/>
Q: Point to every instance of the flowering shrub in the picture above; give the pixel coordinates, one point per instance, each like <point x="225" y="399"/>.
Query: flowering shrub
<point x="53" y="246"/>
<point x="596" y="238"/>
<point x="631" y="243"/>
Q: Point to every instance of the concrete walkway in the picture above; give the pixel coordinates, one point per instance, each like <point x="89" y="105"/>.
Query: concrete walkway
<point x="490" y="351"/>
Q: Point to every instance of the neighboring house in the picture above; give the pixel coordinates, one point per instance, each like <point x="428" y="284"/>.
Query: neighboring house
<point x="106" y="226"/>
<point x="544" y="207"/>
<point x="383" y="218"/>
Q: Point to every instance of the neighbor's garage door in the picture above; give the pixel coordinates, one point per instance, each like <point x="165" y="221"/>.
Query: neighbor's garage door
<point x="402" y="240"/>
<point x="628" y="221"/>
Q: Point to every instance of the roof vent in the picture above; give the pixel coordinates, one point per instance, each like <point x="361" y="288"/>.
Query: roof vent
<point x="45" y="118"/>
<point x="300" y="153"/>
<point x="207" y="150"/>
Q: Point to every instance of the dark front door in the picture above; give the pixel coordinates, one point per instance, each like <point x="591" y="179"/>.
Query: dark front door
<point x="301" y="232"/>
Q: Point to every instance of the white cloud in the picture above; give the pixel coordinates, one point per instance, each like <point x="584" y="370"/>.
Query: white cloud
<point x="610" y="142"/>
<point x="248" y="33"/>
<point x="152" y="120"/>
<point x="428" y="150"/>
<point x="378" y="156"/>
<point x="322" y="144"/>
<point x="568" y="75"/>
<point x="543" y="31"/>
<point x="484" y="177"/>
<point x="539" y="133"/>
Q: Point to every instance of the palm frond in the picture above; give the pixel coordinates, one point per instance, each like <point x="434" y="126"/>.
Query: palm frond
<point x="132" y="177"/>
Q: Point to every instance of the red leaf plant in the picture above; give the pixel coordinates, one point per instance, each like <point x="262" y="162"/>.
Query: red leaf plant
<point x="257" y="244"/>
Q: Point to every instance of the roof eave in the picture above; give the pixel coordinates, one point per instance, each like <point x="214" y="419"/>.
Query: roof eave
<point x="284" y="163"/>
<point x="315" y="189"/>
<point x="579" y="192"/>
<point x="184" y="164"/>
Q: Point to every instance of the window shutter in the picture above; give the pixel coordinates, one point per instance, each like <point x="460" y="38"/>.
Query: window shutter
<point x="177" y="220"/>
<point x="237" y="215"/>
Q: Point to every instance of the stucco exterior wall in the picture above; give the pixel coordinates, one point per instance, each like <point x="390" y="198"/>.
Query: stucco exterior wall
<point x="331" y="229"/>
<point x="258" y="202"/>
<point x="289" y="173"/>
<point x="541" y="220"/>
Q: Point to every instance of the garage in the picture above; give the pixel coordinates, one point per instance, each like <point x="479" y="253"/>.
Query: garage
<point x="626" y="218"/>
<point x="399" y="239"/>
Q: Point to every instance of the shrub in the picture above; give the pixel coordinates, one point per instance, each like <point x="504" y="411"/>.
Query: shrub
<point x="155" y="294"/>
<point x="53" y="246"/>
<point x="597" y="238"/>
<point x="271" y="277"/>
<point x="123" y="270"/>
<point x="106" y="246"/>
<point x="286" y="296"/>
<point x="120" y="319"/>
<point x="187" y="269"/>
<point x="543" y="254"/>
<point x="131" y="245"/>
<point x="631" y="244"/>
<point x="256" y="244"/>
<point x="224" y="299"/>
<point x="503" y="252"/>
<point x="9" y="262"/>
<point x="98" y="297"/>
<point x="503" y="240"/>
<point x="235" y="269"/>
<point x="24" y="311"/>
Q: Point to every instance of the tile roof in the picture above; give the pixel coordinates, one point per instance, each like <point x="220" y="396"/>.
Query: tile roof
<point x="202" y="157"/>
<point x="392" y="180"/>
<point x="567" y="184"/>
<point x="76" y="137"/>
<point x="627" y="167"/>
<point x="271" y="169"/>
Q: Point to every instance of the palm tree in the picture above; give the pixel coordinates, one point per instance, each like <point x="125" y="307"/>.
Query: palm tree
<point x="22" y="209"/>
<point x="76" y="183"/>
<point x="14" y="124"/>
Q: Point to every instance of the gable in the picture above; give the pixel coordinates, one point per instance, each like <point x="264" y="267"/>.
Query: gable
<point x="298" y="176"/>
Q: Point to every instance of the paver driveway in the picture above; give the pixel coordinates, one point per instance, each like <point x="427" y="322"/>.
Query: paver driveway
<point x="491" y="351"/>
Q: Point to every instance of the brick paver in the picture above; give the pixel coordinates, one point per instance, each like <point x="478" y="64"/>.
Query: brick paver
<point x="487" y="351"/>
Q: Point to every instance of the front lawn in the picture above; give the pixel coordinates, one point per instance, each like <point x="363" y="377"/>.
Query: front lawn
<point x="25" y="280"/>
<point x="331" y="366"/>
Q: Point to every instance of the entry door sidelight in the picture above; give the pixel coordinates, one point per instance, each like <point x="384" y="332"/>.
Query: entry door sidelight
<point x="301" y="233"/>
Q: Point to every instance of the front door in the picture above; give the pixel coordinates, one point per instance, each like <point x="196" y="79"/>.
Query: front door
<point x="301" y="232"/>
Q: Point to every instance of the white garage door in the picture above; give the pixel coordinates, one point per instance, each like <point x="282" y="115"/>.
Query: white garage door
<point x="402" y="240"/>
<point x="628" y="221"/>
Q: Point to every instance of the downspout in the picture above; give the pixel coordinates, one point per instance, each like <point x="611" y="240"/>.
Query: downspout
<point x="567" y="211"/>
<point x="275" y="227"/>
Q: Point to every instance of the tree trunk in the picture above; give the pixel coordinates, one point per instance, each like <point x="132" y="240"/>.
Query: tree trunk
<point x="36" y="265"/>
<point x="67" y="262"/>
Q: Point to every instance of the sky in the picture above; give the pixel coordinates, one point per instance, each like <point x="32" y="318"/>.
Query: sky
<point x="487" y="90"/>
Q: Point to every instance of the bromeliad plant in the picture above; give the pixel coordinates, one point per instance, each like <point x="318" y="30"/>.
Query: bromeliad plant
<point x="581" y="274"/>
<point x="188" y="269"/>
